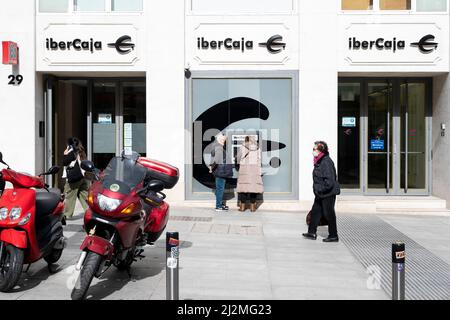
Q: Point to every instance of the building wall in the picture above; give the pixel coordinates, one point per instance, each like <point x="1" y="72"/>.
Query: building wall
<point x="17" y="103"/>
<point x="441" y="145"/>
<point x="318" y="84"/>
<point x="166" y="36"/>
<point x="165" y="86"/>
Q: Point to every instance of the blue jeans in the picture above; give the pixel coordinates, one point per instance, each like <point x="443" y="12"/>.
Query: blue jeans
<point x="220" y="190"/>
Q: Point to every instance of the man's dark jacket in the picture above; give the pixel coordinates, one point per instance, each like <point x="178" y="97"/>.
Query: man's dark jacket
<point x="324" y="178"/>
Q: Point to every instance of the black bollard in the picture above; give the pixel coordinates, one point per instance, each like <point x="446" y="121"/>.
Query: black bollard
<point x="398" y="271"/>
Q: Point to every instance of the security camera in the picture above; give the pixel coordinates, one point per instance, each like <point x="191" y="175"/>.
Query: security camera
<point x="187" y="73"/>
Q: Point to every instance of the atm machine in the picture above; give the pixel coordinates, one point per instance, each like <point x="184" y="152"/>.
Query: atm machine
<point x="235" y="139"/>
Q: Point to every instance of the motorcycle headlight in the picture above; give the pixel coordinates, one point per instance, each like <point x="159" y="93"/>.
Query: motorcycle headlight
<point x="25" y="219"/>
<point x="108" y="204"/>
<point x="15" y="213"/>
<point x="3" y="213"/>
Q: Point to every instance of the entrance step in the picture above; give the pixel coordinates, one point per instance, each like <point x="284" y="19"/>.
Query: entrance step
<point x="426" y="205"/>
<point x="432" y="206"/>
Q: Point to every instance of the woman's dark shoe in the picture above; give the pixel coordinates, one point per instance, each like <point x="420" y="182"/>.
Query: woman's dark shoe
<point x="242" y="207"/>
<point x="253" y="207"/>
<point x="310" y="236"/>
<point x="331" y="239"/>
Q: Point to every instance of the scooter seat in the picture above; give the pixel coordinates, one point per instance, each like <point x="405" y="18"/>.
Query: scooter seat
<point x="46" y="202"/>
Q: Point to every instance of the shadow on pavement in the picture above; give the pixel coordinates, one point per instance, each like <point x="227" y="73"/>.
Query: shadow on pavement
<point x="30" y="280"/>
<point x="114" y="280"/>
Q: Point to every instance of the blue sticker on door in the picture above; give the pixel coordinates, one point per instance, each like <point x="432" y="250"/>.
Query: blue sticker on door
<point x="376" y="144"/>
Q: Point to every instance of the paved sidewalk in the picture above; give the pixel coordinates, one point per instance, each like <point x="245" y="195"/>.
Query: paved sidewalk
<point x="236" y="256"/>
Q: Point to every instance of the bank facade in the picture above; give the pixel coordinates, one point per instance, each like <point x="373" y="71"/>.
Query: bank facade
<point x="368" y="77"/>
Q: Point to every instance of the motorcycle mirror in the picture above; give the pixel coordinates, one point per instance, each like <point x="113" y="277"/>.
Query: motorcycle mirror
<point x="2" y="186"/>
<point x="156" y="186"/>
<point x="88" y="166"/>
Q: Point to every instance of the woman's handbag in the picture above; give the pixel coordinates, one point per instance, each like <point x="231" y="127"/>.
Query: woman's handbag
<point x="323" y="221"/>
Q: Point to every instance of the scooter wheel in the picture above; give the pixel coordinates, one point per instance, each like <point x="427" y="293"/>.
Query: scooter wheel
<point x="87" y="273"/>
<point x="10" y="267"/>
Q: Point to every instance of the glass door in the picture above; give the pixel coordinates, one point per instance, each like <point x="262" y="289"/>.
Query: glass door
<point x="380" y="151"/>
<point x="104" y="120"/>
<point x="118" y="118"/>
<point x="349" y="141"/>
<point x="413" y="138"/>
<point x="134" y="120"/>
<point x="395" y="121"/>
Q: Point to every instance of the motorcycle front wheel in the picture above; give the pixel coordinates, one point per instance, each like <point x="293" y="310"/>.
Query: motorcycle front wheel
<point x="11" y="264"/>
<point x="87" y="273"/>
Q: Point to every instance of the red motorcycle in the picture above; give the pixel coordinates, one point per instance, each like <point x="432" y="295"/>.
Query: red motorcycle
<point x="126" y="212"/>
<point x="31" y="219"/>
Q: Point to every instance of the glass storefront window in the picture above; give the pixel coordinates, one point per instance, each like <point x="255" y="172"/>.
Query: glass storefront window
<point x="126" y="5"/>
<point x="53" y="6"/>
<point x="357" y="4"/>
<point x="240" y="107"/>
<point x="431" y="5"/>
<point x="89" y="5"/>
<point x="395" y="4"/>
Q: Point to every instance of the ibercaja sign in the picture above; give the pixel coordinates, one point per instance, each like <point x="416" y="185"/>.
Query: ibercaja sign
<point x="10" y="52"/>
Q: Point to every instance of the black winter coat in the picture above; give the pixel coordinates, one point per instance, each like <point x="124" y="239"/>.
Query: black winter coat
<point x="73" y="174"/>
<point x="324" y="178"/>
<point x="220" y="162"/>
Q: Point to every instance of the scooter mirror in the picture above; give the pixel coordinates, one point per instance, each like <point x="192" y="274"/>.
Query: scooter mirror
<point x="53" y="170"/>
<point x="1" y="160"/>
<point x="88" y="166"/>
<point x="156" y="186"/>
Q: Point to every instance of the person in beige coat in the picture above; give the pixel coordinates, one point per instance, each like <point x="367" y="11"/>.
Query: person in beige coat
<point x="249" y="183"/>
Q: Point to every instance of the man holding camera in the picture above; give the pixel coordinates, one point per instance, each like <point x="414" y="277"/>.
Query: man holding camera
<point x="76" y="185"/>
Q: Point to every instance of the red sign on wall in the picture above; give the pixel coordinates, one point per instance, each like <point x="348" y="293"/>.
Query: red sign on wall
<point x="10" y="52"/>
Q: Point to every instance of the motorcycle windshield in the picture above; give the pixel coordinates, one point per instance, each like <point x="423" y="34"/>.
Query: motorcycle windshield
<point x="123" y="175"/>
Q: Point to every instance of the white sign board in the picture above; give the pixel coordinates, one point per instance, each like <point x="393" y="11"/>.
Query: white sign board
<point x="241" y="43"/>
<point x="394" y="44"/>
<point x="82" y="44"/>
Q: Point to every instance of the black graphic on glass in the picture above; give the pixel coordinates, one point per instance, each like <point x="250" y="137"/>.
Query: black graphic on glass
<point x="219" y="117"/>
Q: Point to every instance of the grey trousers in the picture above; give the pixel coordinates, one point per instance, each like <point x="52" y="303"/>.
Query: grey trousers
<point x="73" y="191"/>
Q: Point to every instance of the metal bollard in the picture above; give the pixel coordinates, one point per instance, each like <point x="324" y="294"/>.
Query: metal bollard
<point x="172" y="265"/>
<point x="398" y="271"/>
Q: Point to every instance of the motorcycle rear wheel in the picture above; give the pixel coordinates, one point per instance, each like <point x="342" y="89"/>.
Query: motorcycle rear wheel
<point x="10" y="267"/>
<point x="87" y="273"/>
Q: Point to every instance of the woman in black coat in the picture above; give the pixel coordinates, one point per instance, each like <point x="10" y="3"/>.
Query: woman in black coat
<point x="325" y="187"/>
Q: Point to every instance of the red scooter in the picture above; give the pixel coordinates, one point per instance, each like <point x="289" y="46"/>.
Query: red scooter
<point x="126" y="212"/>
<point x="30" y="224"/>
